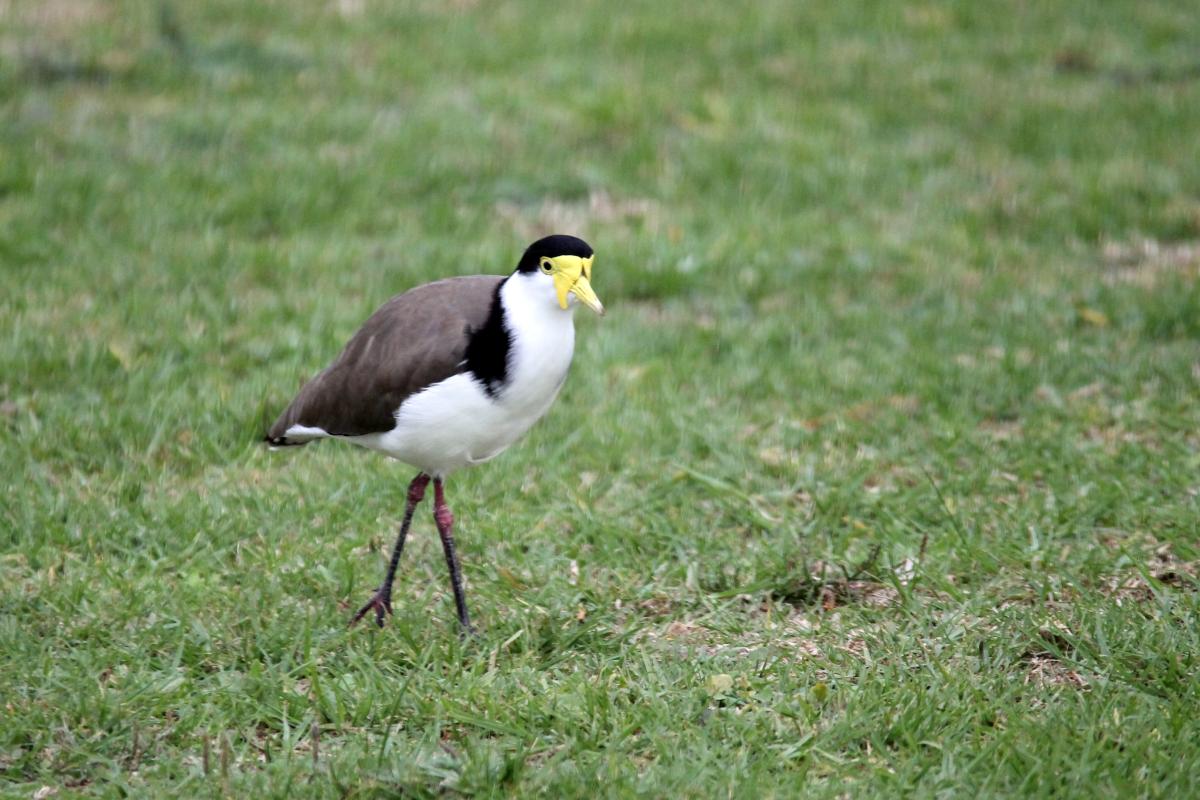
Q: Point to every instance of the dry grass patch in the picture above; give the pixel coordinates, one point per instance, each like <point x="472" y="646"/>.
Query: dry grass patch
<point x="1044" y="670"/>
<point x="1163" y="568"/>
<point x="1146" y="262"/>
<point x="599" y="208"/>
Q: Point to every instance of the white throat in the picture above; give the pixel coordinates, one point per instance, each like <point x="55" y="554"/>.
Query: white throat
<point x="543" y="341"/>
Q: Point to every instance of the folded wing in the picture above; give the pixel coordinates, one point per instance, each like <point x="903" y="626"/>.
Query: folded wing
<point x="413" y="341"/>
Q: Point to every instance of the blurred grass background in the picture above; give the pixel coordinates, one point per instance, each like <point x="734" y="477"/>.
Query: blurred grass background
<point x="880" y="477"/>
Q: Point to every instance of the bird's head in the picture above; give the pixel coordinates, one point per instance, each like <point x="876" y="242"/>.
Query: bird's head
<point x="564" y="265"/>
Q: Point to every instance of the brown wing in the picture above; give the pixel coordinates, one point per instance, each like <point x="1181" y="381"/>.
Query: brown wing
<point x="414" y="340"/>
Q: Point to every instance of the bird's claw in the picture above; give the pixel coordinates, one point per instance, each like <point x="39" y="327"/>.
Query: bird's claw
<point x="380" y="602"/>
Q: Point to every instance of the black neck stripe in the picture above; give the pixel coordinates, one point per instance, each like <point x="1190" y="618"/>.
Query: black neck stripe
<point x="488" y="348"/>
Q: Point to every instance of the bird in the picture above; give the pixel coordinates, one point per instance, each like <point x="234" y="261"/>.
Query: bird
<point x="448" y="375"/>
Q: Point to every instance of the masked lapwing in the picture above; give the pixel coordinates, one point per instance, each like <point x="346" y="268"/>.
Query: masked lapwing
<point x="447" y="375"/>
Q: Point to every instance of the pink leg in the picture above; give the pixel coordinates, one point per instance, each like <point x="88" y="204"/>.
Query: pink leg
<point x="445" y="524"/>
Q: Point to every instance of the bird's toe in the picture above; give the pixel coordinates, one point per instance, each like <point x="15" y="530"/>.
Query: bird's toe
<point x="380" y="603"/>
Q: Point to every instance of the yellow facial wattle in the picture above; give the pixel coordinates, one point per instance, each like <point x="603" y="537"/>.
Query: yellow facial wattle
<point x="572" y="275"/>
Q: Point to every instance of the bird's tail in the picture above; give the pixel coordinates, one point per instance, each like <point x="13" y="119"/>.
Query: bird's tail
<point x="276" y="442"/>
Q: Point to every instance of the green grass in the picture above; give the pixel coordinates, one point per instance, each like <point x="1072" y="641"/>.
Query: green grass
<point x="907" y="290"/>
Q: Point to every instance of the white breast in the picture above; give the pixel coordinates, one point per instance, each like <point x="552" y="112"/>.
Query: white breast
<point x="454" y="423"/>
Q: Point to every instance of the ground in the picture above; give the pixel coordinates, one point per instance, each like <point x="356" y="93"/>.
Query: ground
<point x="880" y="477"/>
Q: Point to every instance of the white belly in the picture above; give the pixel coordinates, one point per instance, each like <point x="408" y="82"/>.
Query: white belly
<point x="454" y="423"/>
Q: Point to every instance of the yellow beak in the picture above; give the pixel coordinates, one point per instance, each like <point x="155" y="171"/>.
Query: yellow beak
<point x="571" y="277"/>
<point x="584" y="294"/>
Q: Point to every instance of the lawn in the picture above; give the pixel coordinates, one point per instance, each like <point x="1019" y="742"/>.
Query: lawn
<point x="881" y="477"/>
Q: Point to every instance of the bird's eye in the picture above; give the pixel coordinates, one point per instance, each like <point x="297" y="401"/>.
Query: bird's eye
<point x="547" y="267"/>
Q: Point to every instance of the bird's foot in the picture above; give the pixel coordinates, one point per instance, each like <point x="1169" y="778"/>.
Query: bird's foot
<point x="380" y="602"/>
